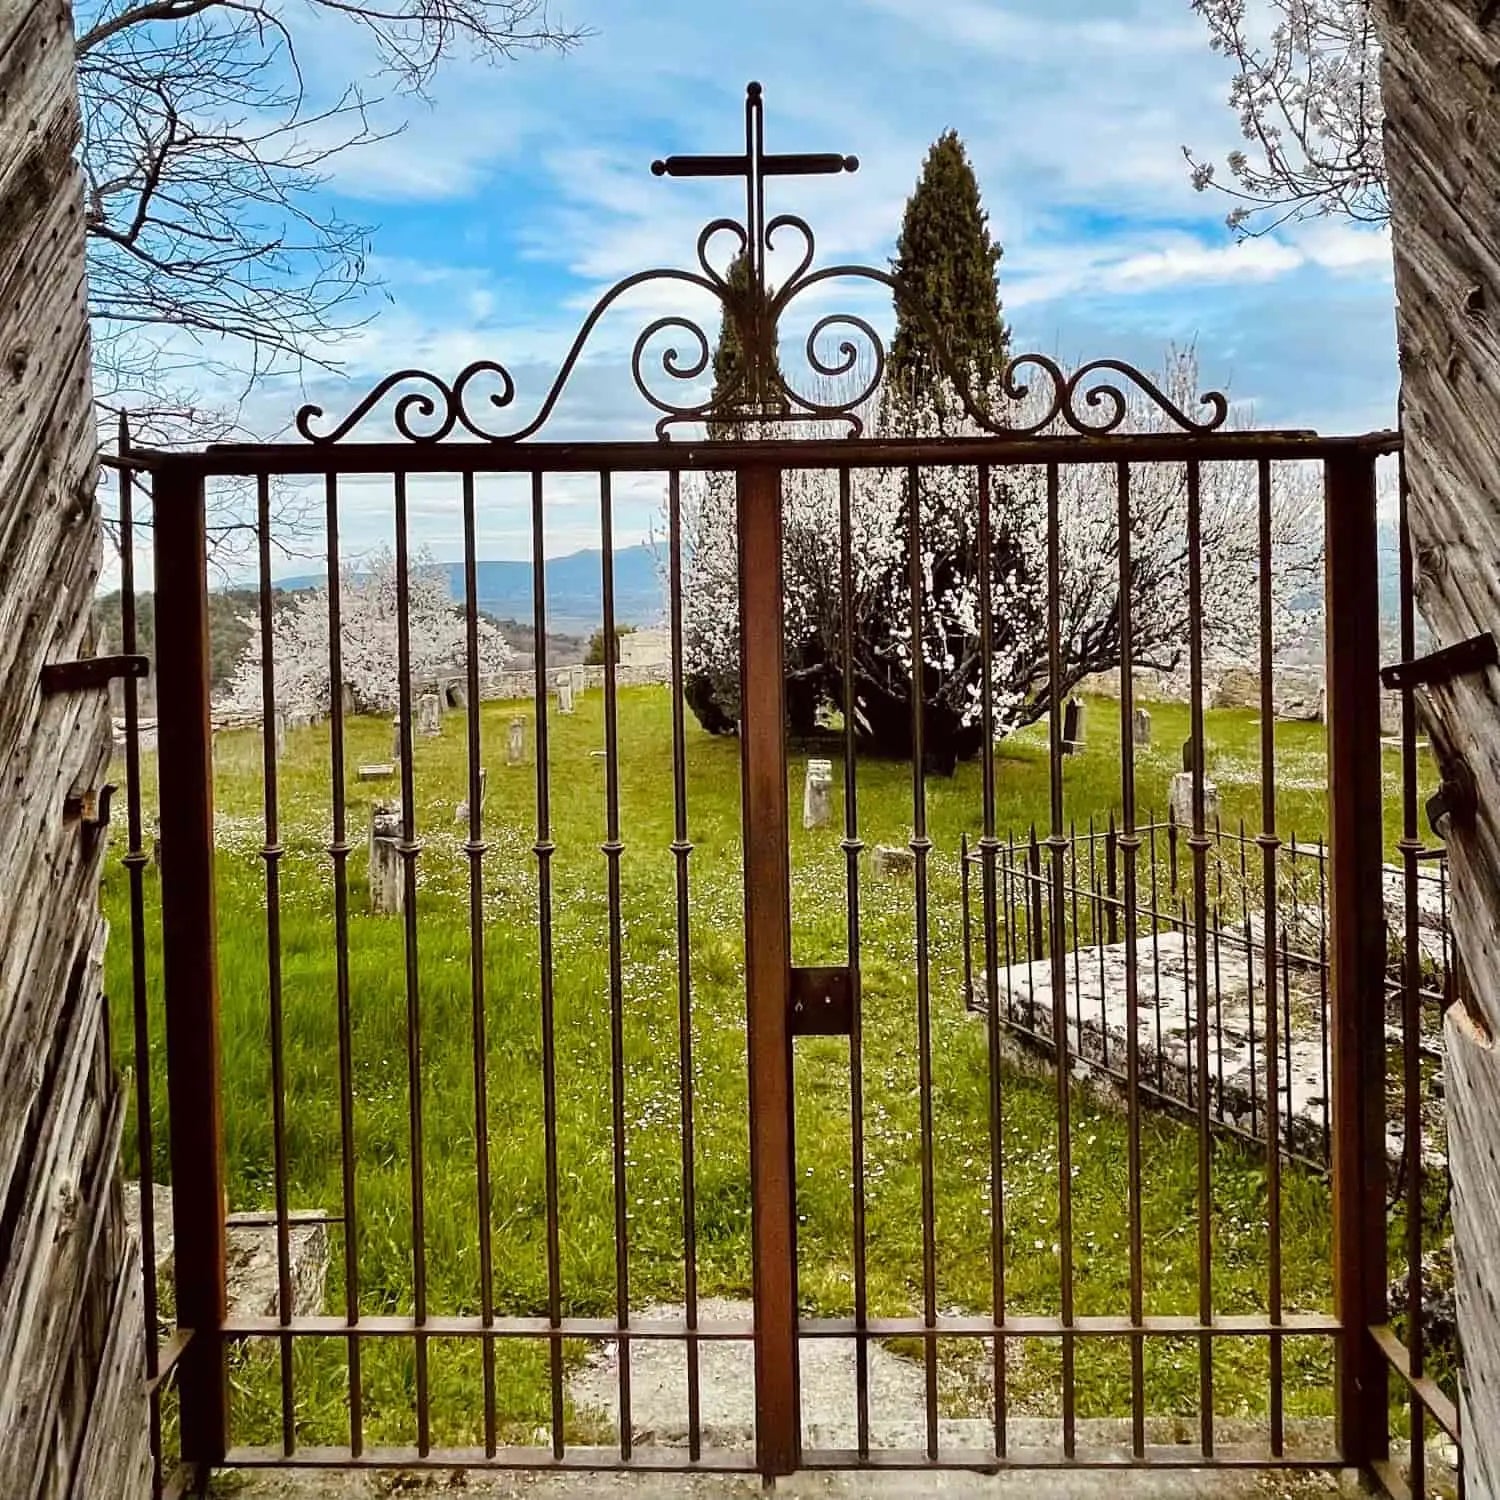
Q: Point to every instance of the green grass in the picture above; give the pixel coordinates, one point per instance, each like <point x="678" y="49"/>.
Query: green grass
<point x="580" y="952"/>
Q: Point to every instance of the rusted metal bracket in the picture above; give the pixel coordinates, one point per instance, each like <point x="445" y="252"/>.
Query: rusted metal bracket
<point x="1472" y="655"/>
<point x="91" y="672"/>
<point x="822" y="1002"/>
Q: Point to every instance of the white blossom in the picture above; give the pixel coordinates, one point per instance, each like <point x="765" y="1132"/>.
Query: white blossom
<point x="950" y="606"/>
<point x="369" y="641"/>
<point x="1306" y="90"/>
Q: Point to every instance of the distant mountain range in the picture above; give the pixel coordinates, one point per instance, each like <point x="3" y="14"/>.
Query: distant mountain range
<point x="574" y="587"/>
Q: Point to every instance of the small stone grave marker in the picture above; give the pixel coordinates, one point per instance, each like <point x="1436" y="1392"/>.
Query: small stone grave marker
<point x="1142" y="725"/>
<point x="565" y="695"/>
<point x="891" y="862"/>
<point x="430" y="715"/>
<point x="1072" y="726"/>
<point x="515" y="748"/>
<point x="461" y="813"/>
<point x="387" y="883"/>
<point x="817" y="794"/>
<point x="1180" y="801"/>
<point x="377" y="771"/>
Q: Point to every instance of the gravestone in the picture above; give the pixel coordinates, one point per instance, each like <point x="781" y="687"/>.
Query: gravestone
<point x="396" y="739"/>
<point x="1180" y="801"/>
<point x="430" y="715"/>
<point x="347" y="699"/>
<point x="891" y="862"/>
<point x="378" y="771"/>
<point x="1073" y="726"/>
<point x="461" y="813"/>
<point x="1141" y="722"/>
<point x="280" y="731"/>
<point x="565" y="695"/>
<point x="387" y="883"/>
<point x="515" y="748"/>
<point x="817" y="794"/>
<point x="1237" y="687"/>
<point x="458" y="694"/>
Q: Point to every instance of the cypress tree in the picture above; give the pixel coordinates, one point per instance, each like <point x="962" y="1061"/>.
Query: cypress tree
<point x="748" y="390"/>
<point x="945" y="256"/>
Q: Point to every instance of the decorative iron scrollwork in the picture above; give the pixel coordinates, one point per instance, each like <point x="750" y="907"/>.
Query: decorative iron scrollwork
<point x="1091" y="400"/>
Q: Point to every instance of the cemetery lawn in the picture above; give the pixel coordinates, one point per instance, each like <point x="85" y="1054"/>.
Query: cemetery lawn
<point x="649" y="970"/>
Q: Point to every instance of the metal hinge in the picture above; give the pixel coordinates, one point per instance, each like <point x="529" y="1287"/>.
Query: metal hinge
<point x="822" y="1002"/>
<point x="1472" y="655"/>
<point x="91" y="672"/>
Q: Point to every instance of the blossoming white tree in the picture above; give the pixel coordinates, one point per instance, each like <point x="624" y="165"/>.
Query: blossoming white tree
<point x="368" y="639"/>
<point x="949" y="594"/>
<point x="1306" y="88"/>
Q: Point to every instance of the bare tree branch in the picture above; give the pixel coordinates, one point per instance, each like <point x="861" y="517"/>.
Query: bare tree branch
<point x="214" y="258"/>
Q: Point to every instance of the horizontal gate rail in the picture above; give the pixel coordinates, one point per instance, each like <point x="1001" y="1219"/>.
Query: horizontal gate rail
<point x="778" y="453"/>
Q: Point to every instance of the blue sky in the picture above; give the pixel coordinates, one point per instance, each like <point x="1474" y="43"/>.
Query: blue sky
<point x="519" y="193"/>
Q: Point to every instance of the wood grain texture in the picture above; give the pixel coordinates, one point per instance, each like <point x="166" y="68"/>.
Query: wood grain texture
<point x="72" y="1411"/>
<point x="1441" y="85"/>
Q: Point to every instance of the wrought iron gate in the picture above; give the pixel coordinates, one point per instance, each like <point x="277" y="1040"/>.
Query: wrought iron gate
<point x="1081" y="424"/>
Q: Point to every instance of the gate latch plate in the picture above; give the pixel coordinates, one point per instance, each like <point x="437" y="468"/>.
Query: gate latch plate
<point x="1472" y="655"/>
<point x="822" y="1002"/>
<point x="91" y="672"/>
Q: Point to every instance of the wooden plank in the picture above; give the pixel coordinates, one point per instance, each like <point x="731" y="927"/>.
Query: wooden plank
<point x="1440" y="74"/>
<point x="72" y="1417"/>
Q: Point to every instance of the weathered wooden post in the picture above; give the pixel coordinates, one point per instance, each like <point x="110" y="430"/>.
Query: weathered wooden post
<point x="190" y="982"/>
<point x="1357" y="953"/>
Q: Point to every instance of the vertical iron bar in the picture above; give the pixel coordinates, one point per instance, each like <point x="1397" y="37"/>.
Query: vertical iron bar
<point x="965" y="925"/>
<point x="681" y="849"/>
<point x="1411" y="1005"/>
<point x="988" y="845"/>
<point x="1199" y="843"/>
<point x="1323" y="988"/>
<point x="920" y="846"/>
<point x="1358" y="952"/>
<point x="474" y="848"/>
<point x="409" y="850"/>
<point x="1250" y="969"/>
<point x="135" y="868"/>
<point x="190" y="983"/>
<point x="544" y="849"/>
<point x="778" y="1436"/>
<point x="1156" y="952"/>
<point x="338" y="852"/>
<point x="271" y="852"/>
<point x="1112" y="875"/>
<point x="853" y="846"/>
<point x="1269" y="845"/>
<point x="612" y="849"/>
<point x="1128" y="841"/>
<point x="1057" y="842"/>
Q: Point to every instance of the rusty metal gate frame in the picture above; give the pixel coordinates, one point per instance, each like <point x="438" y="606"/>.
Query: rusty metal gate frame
<point x="1080" y="428"/>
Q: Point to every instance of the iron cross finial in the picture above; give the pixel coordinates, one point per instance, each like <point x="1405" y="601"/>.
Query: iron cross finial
<point x="755" y="166"/>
